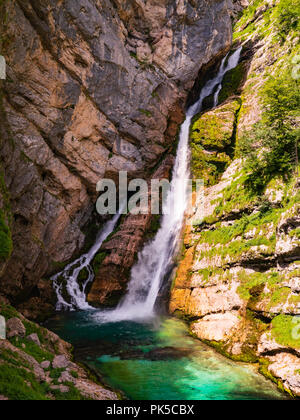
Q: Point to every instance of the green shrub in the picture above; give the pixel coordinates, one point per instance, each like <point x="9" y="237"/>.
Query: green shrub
<point x="56" y="373"/>
<point x="32" y="349"/>
<point x="287" y="15"/>
<point x="295" y="233"/>
<point x="8" y="311"/>
<point x="271" y="145"/>
<point x="74" y="374"/>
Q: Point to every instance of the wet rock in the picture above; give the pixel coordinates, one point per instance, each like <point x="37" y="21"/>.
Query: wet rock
<point x="15" y="328"/>
<point x="167" y="353"/>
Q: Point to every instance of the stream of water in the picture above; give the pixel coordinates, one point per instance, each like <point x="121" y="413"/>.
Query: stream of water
<point x="69" y="276"/>
<point x="135" y="350"/>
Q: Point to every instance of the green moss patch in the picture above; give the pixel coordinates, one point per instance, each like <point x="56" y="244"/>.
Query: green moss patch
<point x="19" y="384"/>
<point x="39" y="354"/>
<point x="212" y="138"/>
<point x="286" y="331"/>
<point x="232" y="82"/>
<point x="98" y="261"/>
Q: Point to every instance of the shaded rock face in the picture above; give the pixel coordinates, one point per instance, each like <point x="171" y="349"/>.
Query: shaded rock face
<point x="93" y="87"/>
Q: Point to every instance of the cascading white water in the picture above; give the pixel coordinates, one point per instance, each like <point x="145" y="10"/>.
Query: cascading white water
<point x="70" y="274"/>
<point x="157" y="256"/>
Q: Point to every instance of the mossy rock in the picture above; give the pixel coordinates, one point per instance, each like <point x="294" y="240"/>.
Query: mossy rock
<point x="212" y="136"/>
<point x="98" y="261"/>
<point x="214" y="129"/>
<point x="6" y="244"/>
<point x="286" y="331"/>
<point x="232" y="82"/>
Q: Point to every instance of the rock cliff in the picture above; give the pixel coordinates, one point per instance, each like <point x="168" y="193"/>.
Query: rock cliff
<point x="238" y="283"/>
<point x="93" y="87"/>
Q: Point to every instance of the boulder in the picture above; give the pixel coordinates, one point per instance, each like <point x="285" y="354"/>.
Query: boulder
<point x="216" y="327"/>
<point x="60" y="362"/>
<point x="45" y="365"/>
<point x="34" y="338"/>
<point x="15" y="328"/>
<point x="66" y="377"/>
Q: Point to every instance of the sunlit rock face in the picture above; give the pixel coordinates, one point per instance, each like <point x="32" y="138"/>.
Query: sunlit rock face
<point x="239" y="288"/>
<point x="93" y="87"/>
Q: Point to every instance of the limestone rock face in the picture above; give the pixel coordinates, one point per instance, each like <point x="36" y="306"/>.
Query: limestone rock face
<point x="93" y="87"/>
<point x="216" y="327"/>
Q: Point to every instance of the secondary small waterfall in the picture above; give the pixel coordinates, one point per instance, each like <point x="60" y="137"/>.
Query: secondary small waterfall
<point x="157" y="256"/>
<point x="69" y="276"/>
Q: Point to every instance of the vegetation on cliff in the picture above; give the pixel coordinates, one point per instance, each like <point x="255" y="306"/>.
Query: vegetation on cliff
<point x="241" y="289"/>
<point x="272" y="146"/>
<point x="212" y="142"/>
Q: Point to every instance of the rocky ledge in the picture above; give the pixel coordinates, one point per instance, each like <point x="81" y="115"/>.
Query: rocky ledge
<point x="35" y="364"/>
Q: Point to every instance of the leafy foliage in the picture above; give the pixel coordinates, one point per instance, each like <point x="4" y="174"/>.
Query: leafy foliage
<point x="287" y="15"/>
<point x="270" y="147"/>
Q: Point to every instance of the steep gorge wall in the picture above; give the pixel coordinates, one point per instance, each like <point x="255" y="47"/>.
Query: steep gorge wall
<point x="93" y="87"/>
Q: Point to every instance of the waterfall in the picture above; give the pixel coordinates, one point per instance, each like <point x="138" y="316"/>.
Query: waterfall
<point x="155" y="260"/>
<point x="69" y="276"/>
<point x="157" y="257"/>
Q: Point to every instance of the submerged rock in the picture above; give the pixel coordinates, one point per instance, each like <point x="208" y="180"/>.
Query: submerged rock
<point x="167" y="353"/>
